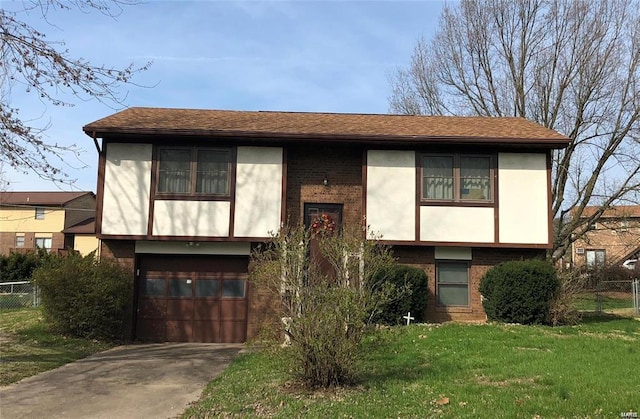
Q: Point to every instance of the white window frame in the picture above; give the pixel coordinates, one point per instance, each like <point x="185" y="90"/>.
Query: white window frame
<point x="39" y="213"/>
<point x="595" y="264"/>
<point x="45" y="241"/>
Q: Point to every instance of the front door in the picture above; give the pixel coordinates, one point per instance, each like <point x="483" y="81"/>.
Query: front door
<point x="322" y="219"/>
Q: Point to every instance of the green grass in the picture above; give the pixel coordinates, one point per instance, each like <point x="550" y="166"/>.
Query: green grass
<point x="453" y="370"/>
<point x="16" y="300"/>
<point x="28" y="348"/>
<point x="610" y="301"/>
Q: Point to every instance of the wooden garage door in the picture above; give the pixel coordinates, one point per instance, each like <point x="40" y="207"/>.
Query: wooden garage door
<point x="192" y="298"/>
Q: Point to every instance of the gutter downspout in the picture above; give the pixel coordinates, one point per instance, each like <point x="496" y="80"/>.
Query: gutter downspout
<point x="95" y="142"/>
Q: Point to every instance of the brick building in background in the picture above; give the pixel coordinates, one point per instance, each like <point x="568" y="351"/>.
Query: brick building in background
<point x="49" y="220"/>
<point x="612" y="240"/>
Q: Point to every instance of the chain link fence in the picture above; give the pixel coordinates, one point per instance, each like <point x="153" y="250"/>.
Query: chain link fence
<point x="18" y="295"/>
<point x="620" y="297"/>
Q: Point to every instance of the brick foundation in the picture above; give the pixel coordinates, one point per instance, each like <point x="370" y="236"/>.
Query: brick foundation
<point x="482" y="260"/>
<point x="123" y="251"/>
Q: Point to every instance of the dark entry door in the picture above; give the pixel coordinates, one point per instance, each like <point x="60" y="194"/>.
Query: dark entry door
<point x="328" y="219"/>
<point x="314" y="212"/>
<point x="192" y="298"/>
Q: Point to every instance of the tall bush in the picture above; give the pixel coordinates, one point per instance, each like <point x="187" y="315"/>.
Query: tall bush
<point x="563" y="306"/>
<point x="519" y="291"/>
<point x="409" y="285"/>
<point x="18" y="266"/>
<point x="329" y="290"/>
<point x="84" y="297"/>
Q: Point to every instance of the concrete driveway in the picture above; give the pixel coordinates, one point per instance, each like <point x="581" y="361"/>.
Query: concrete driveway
<point x="133" y="381"/>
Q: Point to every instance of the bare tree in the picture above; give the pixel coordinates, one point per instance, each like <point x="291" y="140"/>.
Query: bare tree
<point x="31" y="62"/>
<point x="572" y="66"/>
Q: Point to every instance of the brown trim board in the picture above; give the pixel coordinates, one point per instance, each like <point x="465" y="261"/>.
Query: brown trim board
<point x="102" y="163"/>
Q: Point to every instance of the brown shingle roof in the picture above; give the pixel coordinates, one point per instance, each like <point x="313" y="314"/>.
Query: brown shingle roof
<point x="328" y="126"/>
<point x="620" y="211"/>
<point x="56" y="199"/>
<point x="87" y="226"/>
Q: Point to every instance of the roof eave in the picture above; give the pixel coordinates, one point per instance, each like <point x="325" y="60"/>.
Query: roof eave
<point x="546" y="143"/>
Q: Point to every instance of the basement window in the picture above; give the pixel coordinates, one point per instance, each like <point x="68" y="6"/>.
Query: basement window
<point x="452" y="283"/>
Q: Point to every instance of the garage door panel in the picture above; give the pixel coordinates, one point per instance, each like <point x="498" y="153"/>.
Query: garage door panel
<point x="179" y="330"/>
<point x="152" y="308"/>
<point x="208" y="309"/>
<point x="206" y="331"/>
<point x="152" y="329"/>
<point x="192" y="298"/>
<point x="233" y="309"/>
<point x="180" y="309"/>
<point x="232" y="331"/>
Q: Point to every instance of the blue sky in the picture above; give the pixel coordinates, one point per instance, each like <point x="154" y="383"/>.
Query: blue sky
<point x="329" y="56"/>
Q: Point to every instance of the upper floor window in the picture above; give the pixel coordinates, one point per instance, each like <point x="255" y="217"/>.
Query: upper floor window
<point x="193" y="171"/>
<point x="39" y="213"/>
<point x="456" y="177"/>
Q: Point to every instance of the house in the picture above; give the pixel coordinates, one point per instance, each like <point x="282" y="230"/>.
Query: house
<point x="611" y="240"/>
<point x="47" y="220"/>
<point x="183" y="195"/>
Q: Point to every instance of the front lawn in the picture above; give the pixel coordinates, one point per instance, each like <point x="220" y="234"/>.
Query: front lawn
<point x="28" y="348"/>
<point x="613" y="302"/>
<point x="453" y="370"/>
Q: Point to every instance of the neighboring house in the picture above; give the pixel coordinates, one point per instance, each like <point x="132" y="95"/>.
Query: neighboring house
<point x="50" y="220"/>
<point x="613" y="239"/>
<point x="184" y="195"/>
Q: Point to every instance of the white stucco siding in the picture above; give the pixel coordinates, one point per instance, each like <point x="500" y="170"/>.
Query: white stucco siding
<point x="523" y="199"/>
<point x="391" y="194"/>
<point x="258" y="203"/>
<point x="457" y="224"/>
<point x="127" y="184"/>
<point x="191" y="218"/>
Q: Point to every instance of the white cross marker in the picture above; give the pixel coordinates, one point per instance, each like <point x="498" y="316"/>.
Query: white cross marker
<point x="408" y="317"/>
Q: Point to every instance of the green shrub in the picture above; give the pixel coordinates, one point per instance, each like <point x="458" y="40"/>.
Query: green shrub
<point x="20" y="266"/>
<point x="83" y="297"/>
<point x="519" y="291"/>
<point x="327" y="335"/>
<point x="409" y="294"/>
<point x="328" y="294"/>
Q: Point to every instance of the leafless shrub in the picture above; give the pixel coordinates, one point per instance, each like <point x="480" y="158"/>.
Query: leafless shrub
<point x="328" y="296"/>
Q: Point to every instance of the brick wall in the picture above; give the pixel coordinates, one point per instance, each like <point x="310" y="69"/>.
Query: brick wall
<point x="482" y="260"/>
<point x="307" y="167"/>
<point x="8" y="242"/>
<point x="123" y="251"/>
<point x="264" y="315"/>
